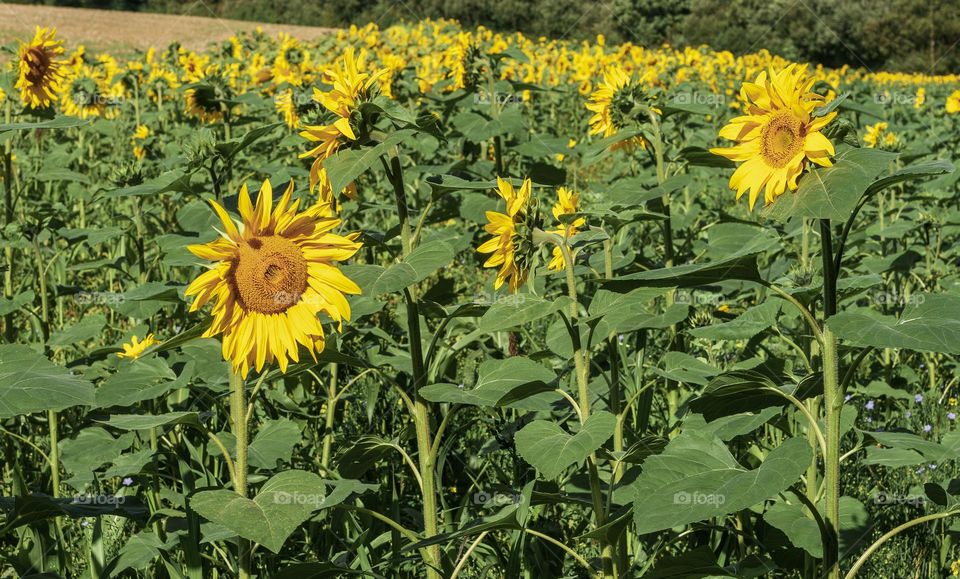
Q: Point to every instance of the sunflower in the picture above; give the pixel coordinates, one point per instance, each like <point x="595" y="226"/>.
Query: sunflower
<point x="194" y="67"/>
<point x="510" y="244"/>
<point x="329" y="138"/>
<point x="466" y="66"/>
<point x="614" y="99"/>
<point x="203" y="103"/>
<point x="292" y="62"/>
<point x="258" y="70"/>
<point x="349" y="84"/>
<point x="953" y="102"/>
<point x="77" y="57"/>
<point x="39" y="68"/>
<point x="327" y="200"/>
<point x="568" y="203"/>
<point x="160" y="81"/>
<point x="920" y="98"/>
<point x="778" y="135"/>
<point x="85" y="93"/>
<point x="286" y="106"/>
<point x="274" y="274"/>
<point x="879" y="135"/>
<point x="349" y="87"/>
<point x="136" y="348"/>
<point x="141" y="134"/>
<point x="393" y="64"/>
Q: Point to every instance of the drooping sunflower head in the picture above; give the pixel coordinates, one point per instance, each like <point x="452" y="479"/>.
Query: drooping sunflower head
<point x="39" y="68"/>
<point x="616" y="100"/>
<point x="511" y="246"/>
<point x="204" y="103"/>
<point x="275" y="272"/>
<point x="286" y="105"/>
<point x="85" y="93"/>
<point x="350" y="86"/>
<point x="467" y="65"/>
<point x="568" y="204"/>
<point x="778" y="135"/>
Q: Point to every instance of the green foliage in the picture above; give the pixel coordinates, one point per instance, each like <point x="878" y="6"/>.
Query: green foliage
<point x="666" y="405"/>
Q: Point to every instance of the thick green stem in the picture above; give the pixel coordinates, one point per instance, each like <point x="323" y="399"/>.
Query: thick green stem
<point x="813" y="474"/>
<point x="238" y="413"/>
<point x="421" y="415"/>
<point x="616" y="405"/>
<point x="583" y="388"/>
<point x="7" y="220"/>
<point x="833" y="404"/>
<point x="673" y="393"/>
<point x="154" y="493"/>
<point x="53" y="419"/>
<point x="331" y="408"/>
<point x="44" y="300"/>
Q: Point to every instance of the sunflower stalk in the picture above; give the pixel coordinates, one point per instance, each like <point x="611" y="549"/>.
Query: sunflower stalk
<point x="329" y="414"/>
<point x="673" y="394"/>
<point x="238" y="414"/>
<point x="833" y="404"/>
<point x="7" y="221"/>
<point x="583" y="387"/>
<point x="616" y="404"/>
<point x="53" y="424"/>
<point x="425" y="447"/>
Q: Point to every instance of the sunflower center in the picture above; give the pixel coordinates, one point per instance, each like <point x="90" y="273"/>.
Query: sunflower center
<point x="39" y="62"/>
<point x="782" y="139"/>
<point x="270" y="274"/>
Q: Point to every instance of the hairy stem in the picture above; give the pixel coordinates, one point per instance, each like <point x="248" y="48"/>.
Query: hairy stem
<point x="833" y="404"/>
<point x="238" y="413"/>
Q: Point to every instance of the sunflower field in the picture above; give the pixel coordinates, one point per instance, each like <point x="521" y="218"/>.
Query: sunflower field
<point x="426" y="301"/>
